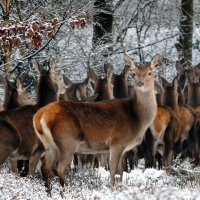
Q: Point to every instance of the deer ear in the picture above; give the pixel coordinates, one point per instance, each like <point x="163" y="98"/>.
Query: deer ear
<point x="52" y="64"/>
<point x="179" y="67"/>
<point x="158" y="87"/>
<point x="67" y="81"/>
<point x="109" y="73"/>
<point x="2" y="80"/>
<point x="175" y="83"/>
<point x="91" y="74"/>
<point x="107" y="66"/>
<point x="78" y="95"/>
<point x="126" y="70"/>
<point x="155" y="61"/>
<point x="128" y="61"/>
<point x="164" y="82"/>
<point x="19" y="85"/>
<point x="85" y="82"/>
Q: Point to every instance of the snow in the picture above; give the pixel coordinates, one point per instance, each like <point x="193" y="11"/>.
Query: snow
<point x="180" y="182"/>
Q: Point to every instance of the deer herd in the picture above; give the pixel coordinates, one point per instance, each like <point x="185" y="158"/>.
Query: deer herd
<point x="112" y="127"/>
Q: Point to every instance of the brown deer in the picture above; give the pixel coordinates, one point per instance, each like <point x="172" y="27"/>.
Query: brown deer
<point x="193" y="73"/>
<point x="184" y="117"/>
<point x="75" y="91"/>
<point x="120" y="83"/>
<point x="16" y="130"/>
<point x="15" y="95"/>
<point x="103" y="90"/>
<point x="103" y="87"/>
<point x="193" y="88"/>
<point x="153" y="147"/>
<point x="161" y="129"/>
<point x="119" y="125"/>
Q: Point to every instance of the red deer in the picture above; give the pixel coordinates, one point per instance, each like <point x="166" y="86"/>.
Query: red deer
<point x="193" y="87"/>
<point x="183" y="117"/>
<point x="16" y="130"/>
<point x="103" y="90"/>
<point x="153" y="147"/>
<point x="120" y="83"/>
<point x="75" y="91"/>
<point x="191" y="72"/>
<point x="161" y="129"/>
<point x="115" y="126"/>
<point x="103" y="87"/>
<point x="15" y="96"/>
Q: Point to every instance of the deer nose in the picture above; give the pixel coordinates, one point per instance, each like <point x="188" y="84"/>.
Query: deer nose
<point x="140" y="83"/>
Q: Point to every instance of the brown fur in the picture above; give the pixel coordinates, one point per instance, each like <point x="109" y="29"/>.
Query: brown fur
<point x="192" y="73"/>
<point x="20" y="122"/>
<point x="120" y="83"/>
<point x="75" y="91"/>
<point x="161" y="126"/>
<point x="184" y="116"/>
<point x="117" y="126"/>
<point x="103" y="87"/>
<point x="15" y="95"/>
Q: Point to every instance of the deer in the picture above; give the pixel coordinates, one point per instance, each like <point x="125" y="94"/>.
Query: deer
<point x="17" y="142"/>
<point x="184" y="118"/>
<point x="192" y="72"/>
<point x="153" y="147"/>
<point x="193" y="89"/>
<point x="103" y="91"/>
<point x="115" y="126"/>
<point x="15" y="95"/>
<point x="75" y="91"/>
<point x="103" y="87"/>
<point x="120" y="83"/>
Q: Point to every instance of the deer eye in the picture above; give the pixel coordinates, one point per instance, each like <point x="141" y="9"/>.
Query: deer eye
<point x="149" y="73"/>
<point x="133" y="75"/>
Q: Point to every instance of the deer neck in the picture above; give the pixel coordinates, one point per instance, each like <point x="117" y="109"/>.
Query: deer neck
<point x="146" y="105"/>
<point x="193" y="97"/>
<point x="47" y="91"/>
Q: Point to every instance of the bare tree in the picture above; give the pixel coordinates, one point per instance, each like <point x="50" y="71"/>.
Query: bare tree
<point x="186" y="32"/>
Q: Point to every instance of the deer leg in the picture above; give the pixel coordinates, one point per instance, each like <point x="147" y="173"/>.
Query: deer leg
<point x="168" y="155"/>
<point x="33" y="161"/>
<point x="121" y="167"/>
<point x="115" y="155"/>
<point x="65" y="158"/>
<point x="13" y="166"/>
<point x="50" y="160"/>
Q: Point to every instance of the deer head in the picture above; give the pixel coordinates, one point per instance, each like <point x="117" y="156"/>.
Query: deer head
<point x="15" y="95"/>
<point x="102" y="86"/>
<point x="170" y="92"/>
<point x="75" y="91"/>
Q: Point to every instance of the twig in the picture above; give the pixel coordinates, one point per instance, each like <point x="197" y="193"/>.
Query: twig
<point x="144" y="46"/>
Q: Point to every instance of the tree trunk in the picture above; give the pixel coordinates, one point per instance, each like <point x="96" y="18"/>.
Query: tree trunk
<point x="186" y="32"/>
<point x="103" y="21"/>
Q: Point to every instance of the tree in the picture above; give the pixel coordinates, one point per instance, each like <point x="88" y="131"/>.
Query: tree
<point x="103" y="25"/>
<point x="186" y="32"/>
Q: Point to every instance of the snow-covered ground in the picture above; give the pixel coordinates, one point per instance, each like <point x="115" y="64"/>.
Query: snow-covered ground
<point x="180" y="182"/>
